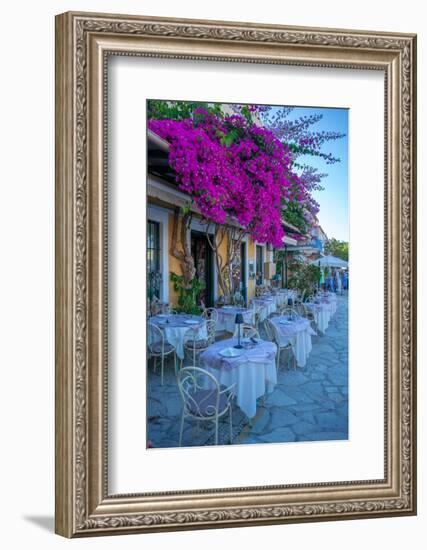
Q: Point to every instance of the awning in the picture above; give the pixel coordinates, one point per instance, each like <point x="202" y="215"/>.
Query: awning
<point x="329" y="261"/>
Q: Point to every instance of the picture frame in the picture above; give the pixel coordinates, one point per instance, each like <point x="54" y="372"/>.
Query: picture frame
<point x="84" y="506"/>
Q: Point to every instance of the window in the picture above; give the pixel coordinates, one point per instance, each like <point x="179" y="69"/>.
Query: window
<point x="154" y="276"/>
<point x="259" y="265"/>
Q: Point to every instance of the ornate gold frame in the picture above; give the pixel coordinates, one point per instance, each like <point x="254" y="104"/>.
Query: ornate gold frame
<point x="83" y="42"/>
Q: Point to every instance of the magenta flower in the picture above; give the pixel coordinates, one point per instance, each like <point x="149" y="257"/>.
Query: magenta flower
<point x="234" y="172"/>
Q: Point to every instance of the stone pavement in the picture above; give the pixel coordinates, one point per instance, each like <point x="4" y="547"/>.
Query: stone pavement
<point x="307" y="404"/>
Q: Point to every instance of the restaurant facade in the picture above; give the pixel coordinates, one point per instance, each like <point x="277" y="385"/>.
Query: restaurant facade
<point x="252" y="266"/>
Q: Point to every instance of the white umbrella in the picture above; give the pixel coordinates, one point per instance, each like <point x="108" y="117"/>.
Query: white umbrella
<point x="330" y="261"/>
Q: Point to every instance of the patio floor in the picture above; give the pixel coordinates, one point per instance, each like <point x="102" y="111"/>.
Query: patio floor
<point x="307" y="404"/>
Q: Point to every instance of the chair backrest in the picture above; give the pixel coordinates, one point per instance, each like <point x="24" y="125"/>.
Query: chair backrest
<point x="155" y="335"/>
<point x="210" y="313"/>
<point x="289" y="310"/>
<point x="211" y="329"/>
<point x="194" y="334"/>
<point x="307" y="312"/>
<point x="246" y="331"/>
<point x="274" y="332"/>
<point x="200" y="392"/>
<point x="269" y="330"/>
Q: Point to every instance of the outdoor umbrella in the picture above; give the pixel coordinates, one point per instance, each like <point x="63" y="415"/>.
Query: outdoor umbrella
<point x="330" y="261"/>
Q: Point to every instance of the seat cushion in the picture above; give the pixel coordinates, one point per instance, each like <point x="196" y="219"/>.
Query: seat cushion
<point x="203" y="402"/>
<point x="156" y="347"/>
<point x="198" y="344"/>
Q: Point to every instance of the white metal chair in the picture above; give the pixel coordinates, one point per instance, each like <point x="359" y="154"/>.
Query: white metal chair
<point x="210" y="313"/>
<point x="194" y="344"/>
<point x="308" y="313"/>
<point x="274" y="335"/>
<point x="204" y="399"/>
<point x="289" y="310"/>
<point x="159" y="347"/>
<point x="246" y="331"/>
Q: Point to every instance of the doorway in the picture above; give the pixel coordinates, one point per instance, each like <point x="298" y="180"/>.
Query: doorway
<point x="203" y="262"/>
<point x="239" y="272"/>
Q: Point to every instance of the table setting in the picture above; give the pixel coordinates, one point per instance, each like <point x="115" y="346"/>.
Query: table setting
<point x="329" y="298"/>
<point x="297" y="331"/>
<point x="175" y="327"/>
<point x="252" y="367"/>
<point x="322" y="312"/>
<point x="264" y="306"/>
<point x="227" y="316"/>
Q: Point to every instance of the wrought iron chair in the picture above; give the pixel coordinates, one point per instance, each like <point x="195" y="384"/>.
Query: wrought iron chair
<point x="308" y="313"/>
<point x="247" y="331"/>
<point x="204" y="399"/>
<point x="274" y="336"/>
<point x="210" y="313"/>
<point x="195" y="344"/>
<point x="159" y="347"/>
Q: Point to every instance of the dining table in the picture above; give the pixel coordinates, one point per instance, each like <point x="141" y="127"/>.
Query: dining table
<point x="264" y="306"/>
<point x="175" y="326"/>
<point x="297" y="331"/>
<point x="252" y="369"/>
<point x="322" y="313"/>
<point x="227" y="317"/>
<point x="330" y="298"/>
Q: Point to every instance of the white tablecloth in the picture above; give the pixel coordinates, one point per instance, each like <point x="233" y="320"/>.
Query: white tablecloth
<point x="280" y="299"/>
<point x="297" y="332"/>
<point x="330" y="298"/>
<point x="227" y="317"/>
<point x="177" y="326"/>
<point x="322" y="313"/>
<point x="264" y="307"/>
<point x="288" y="294"/>
<point x="253" y="372"/>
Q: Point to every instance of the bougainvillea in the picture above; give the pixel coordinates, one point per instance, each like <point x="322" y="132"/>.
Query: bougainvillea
<point x="234" y="171"/>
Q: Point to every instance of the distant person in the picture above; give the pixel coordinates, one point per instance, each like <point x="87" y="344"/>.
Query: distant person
<point x="330" y="285"/>
<point x="338" y="282"/>
<point x="345" y="280"/>
<point x="322" y="279"/>
<point x="333" y="281"/>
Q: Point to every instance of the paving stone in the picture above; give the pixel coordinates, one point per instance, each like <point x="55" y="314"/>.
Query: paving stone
<point x="261" y="422"/>
<point x="303" y="407"/>
<point x="343" y="409"/>
<point x="174" y="407"/>
<point x="155" y="408"/>
<point x="279" y="435"/>
<point x="298" y="395"/>
<point x="323" y="436"/>
<point x="323" y="349"/>
<point x="279" y="399"/>
<point x="301" y="428"/>
<point x="337" y="397"/>
<point x="282" y="417"/>
<point x="251" y="439"/>
<point x="295" y="378"/>
<point x="330" y="421"/>
<point x="322" y="368"/>
<point x="338" y="379"/>
<point x="317" y="376"/>
<point x="314" y="390"/>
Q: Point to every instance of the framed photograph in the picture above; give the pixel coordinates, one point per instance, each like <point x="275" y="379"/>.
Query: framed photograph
<point x="235" y="274"/>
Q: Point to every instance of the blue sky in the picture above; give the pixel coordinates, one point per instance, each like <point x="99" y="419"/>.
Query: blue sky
<point x="333" y="200"/>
